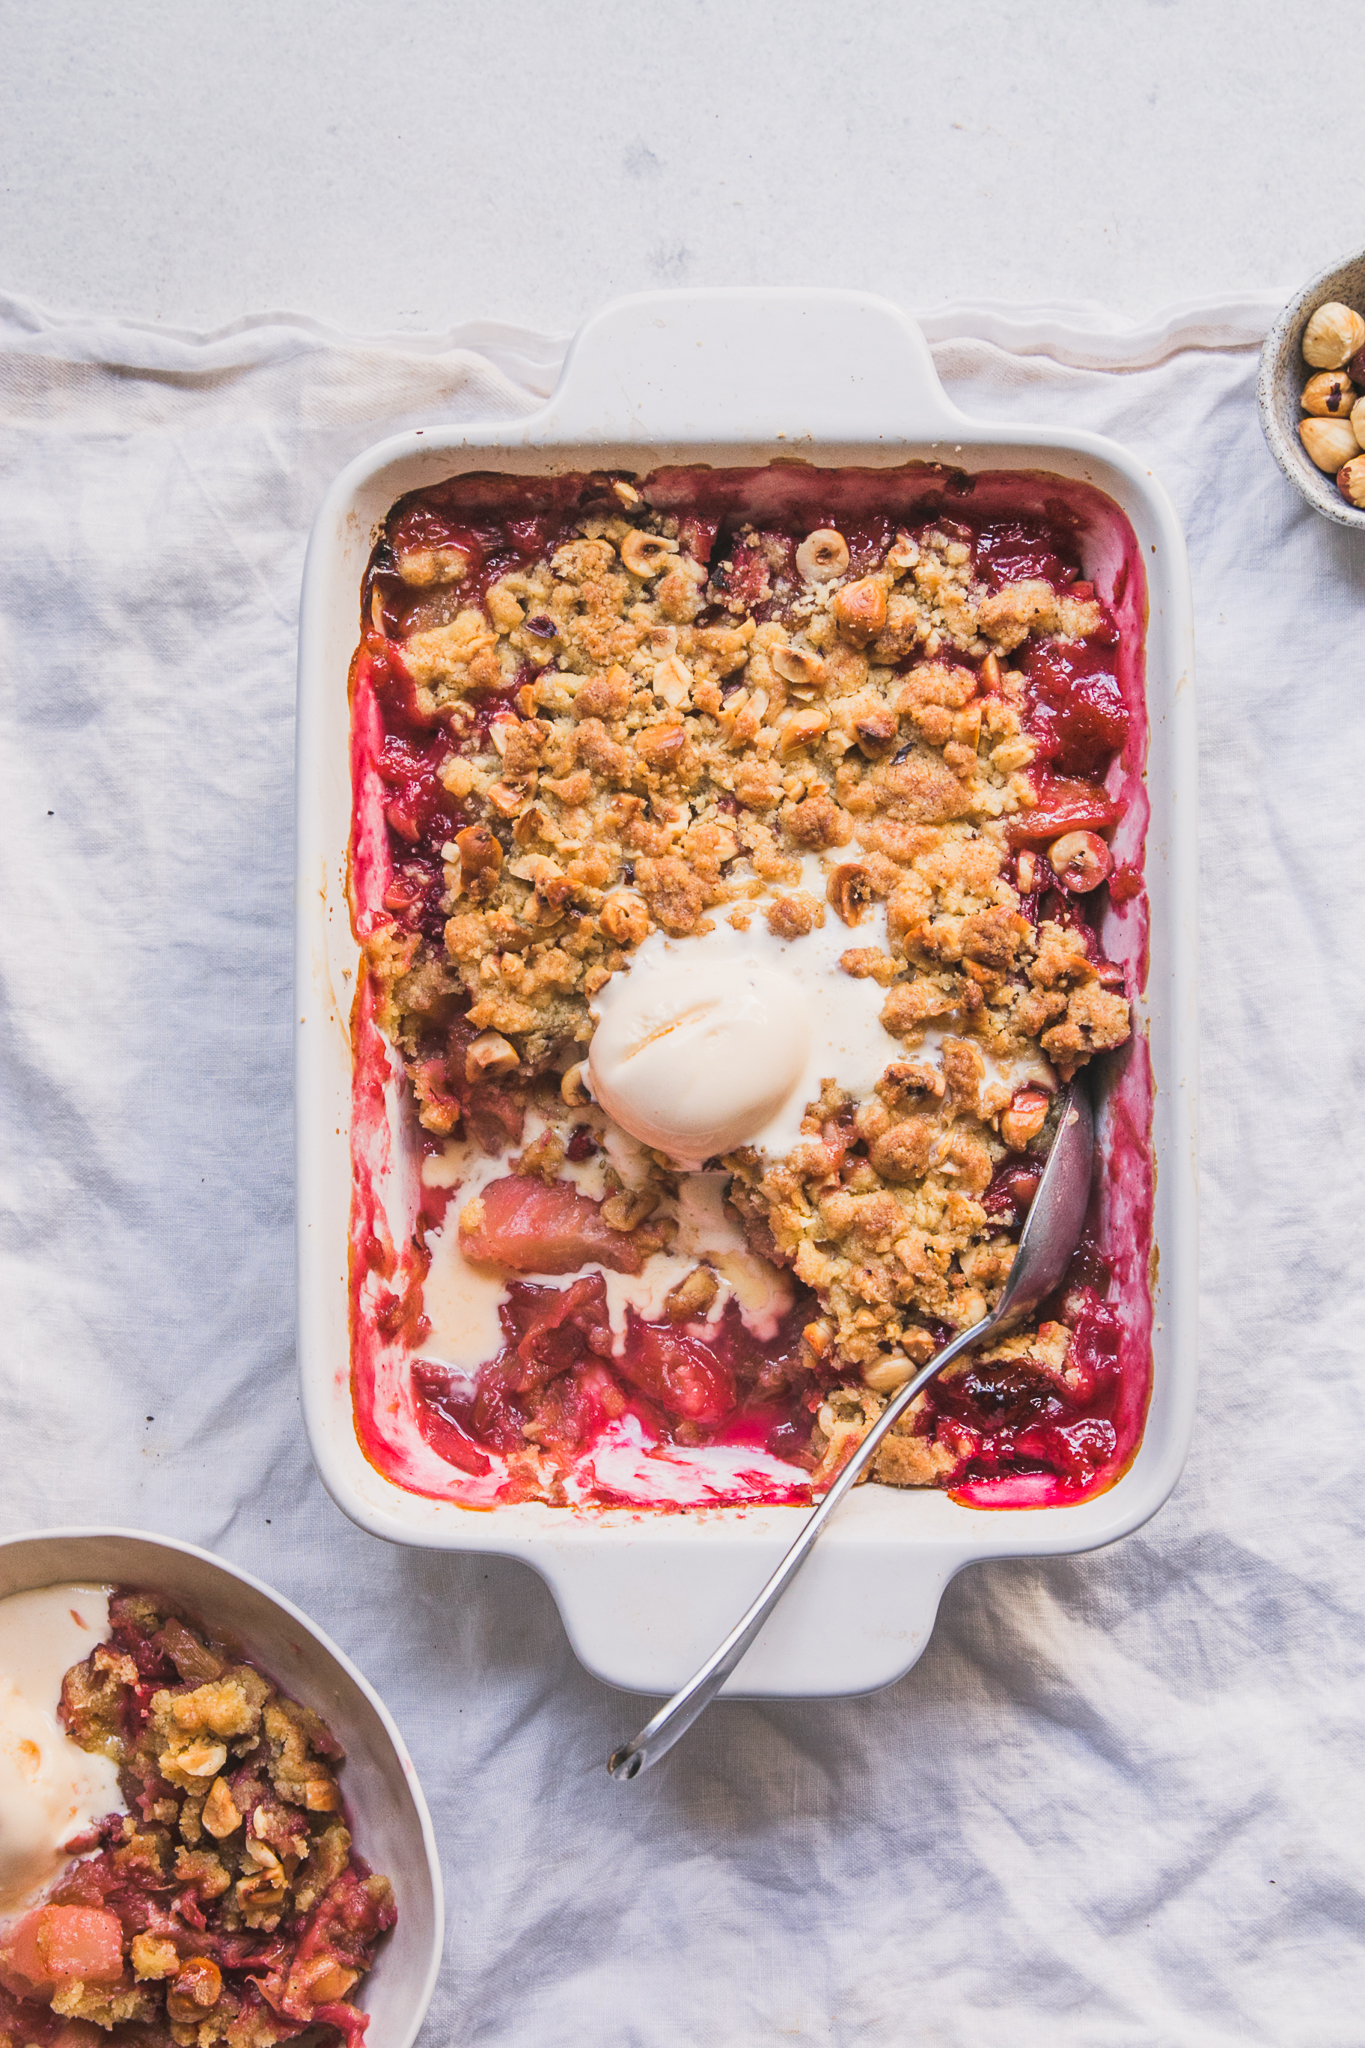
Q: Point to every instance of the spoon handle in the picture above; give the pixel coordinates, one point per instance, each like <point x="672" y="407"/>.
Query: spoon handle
<point x="676" y="1717"/>
<point x="1049" y="1238"/>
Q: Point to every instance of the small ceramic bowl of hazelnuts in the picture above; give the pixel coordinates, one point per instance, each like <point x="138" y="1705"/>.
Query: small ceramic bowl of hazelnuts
<point x="1311" y="392"/>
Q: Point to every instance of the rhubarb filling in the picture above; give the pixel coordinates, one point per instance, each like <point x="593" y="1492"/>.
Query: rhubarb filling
<point x="741" y="862"/>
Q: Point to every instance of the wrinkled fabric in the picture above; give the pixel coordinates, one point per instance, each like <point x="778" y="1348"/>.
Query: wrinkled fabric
<point x="1117" y="1801"/>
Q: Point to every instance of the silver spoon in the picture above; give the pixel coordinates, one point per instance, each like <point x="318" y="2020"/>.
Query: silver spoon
<point x="1050" y="1236"/>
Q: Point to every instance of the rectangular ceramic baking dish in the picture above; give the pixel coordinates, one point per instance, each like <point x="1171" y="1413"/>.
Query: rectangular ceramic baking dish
<point x="735" y="378"/>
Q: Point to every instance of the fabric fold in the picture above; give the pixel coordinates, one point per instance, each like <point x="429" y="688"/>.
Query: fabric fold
<point x="1116" y="1804"/>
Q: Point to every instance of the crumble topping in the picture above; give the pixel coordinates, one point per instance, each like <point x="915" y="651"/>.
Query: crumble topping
<point x="634" y="730"/>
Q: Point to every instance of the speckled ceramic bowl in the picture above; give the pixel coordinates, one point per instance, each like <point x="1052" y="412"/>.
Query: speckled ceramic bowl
<point x="1283" y="376"/>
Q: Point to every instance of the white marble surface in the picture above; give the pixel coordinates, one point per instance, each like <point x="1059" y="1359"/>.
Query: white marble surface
<point x="414" y="168"/>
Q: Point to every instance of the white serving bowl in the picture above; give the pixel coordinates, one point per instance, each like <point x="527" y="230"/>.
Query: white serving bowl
<point x="732" y="378"/>
<point x="391" y="1824"/>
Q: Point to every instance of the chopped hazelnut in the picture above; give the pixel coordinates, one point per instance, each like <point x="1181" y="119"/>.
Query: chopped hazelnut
<point x="884" y="1375"/>
<point x="1080" y="861"/>
<point x="877" y="730"/>
<point x="823" y="555"/>
<point x="646" y="554"/>
<point x="480" y="860"/>
<point x="196" y="1990"/>
<point x="220" y="1815"/>
<point x="627" y="1209"/>
<point x="489" y="1056"/>
<point x="624" y="919"/>
<point x="801" y="729"/>
<point x="692" y="1296"/>
<point x="199" y="1760"/>
<point x="799" y="667"/>
<point x="673" y="681"/>
<point x="850" y="889"/>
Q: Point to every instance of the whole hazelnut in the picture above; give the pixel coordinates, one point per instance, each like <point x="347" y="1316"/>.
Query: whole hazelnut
<point x="1351" y="481"/>
<point x="1355" y="369"/>
<point x="1332" y="337"/>
<point x="1357" y="419"/>
<point x="1329" y="396"/>
<point x="1329" y="443"/>
<point x="1080" y="861"/>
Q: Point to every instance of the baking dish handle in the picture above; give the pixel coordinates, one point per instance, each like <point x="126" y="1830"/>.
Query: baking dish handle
<point x="644" y="1606"/>
<point x="749" y="366"/>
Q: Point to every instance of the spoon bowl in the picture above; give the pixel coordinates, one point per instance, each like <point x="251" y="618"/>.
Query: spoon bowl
<point x="1050" y="1235"/>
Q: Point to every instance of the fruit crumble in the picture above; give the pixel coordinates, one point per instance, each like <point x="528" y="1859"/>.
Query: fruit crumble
<point x="731" y="856"/>
<point x="225" y="1908"/>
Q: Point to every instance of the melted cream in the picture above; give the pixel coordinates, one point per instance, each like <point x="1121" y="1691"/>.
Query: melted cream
<point x="703" y="1225"/>
<point x="50" y="1790"/>
<point x="461" y="1301"/>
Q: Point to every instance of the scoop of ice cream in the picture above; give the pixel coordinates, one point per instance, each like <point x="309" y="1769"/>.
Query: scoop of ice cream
<point x="694" y="1056"/>
<point x="50" y="1790"/>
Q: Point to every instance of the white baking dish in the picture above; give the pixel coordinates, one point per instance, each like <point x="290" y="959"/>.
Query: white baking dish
<point x="384" y="1800"/>
<point x="734" y="378"/>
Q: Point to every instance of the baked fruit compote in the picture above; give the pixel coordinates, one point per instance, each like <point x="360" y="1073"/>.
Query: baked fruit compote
<point x="175" y="1865"/>
<point x="740" y="860"/>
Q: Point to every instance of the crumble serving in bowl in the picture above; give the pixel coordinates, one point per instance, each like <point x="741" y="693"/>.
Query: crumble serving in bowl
<point x="730" y="852"/>
<point x="187" y="1873"/>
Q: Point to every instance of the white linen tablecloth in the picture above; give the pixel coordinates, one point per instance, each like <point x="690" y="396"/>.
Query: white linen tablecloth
<point x="1118" y="1801"/>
